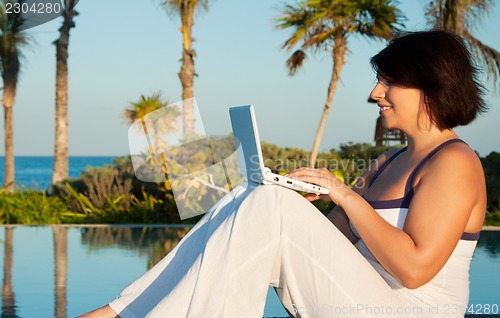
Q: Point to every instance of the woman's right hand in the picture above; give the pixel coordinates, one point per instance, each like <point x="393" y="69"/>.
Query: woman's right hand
<point x="325" y="179"/>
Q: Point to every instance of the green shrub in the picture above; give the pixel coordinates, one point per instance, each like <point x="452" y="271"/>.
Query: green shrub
<point x="102" y="185"/>
<point x="493" y="217"/>
<point x="33" y="207"/>
<point x="491" y="166"/>
<point x="112" y="194"/>
<point x="350" y="162"/>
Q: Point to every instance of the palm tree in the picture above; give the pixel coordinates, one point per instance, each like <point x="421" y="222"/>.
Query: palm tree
<point x="11" y="40"/>
<point x="327" y="24"/>
<point x="460" y="16"/>
<point x="166" y="124"/>
<point x="186" y="9"/>
<point x="60" y="170"/>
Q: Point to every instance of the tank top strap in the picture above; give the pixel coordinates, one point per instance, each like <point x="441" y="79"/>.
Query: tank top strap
<point x="411" y="178"/>
<point x="385" y="164"/>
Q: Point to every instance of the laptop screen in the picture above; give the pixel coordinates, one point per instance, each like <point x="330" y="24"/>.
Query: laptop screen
<point x="245" y="131"/>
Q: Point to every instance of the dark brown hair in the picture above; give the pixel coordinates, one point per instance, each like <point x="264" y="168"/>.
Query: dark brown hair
<point x="438" y="63"/>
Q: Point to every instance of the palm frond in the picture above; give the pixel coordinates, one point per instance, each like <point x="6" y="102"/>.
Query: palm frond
<point x="457" y="16"/>
<point x="476" y="10"/>
<point x="294" y="39"/>
<point x="488" y="56"/>
<point x="183" y="7"/>
<point x="379" y="19"/>
<point x="322" y="36"/>
<point x="144" y="106"/>
<point x="461" y="17"/>
<point x="11" y="42"/>
<point x="295" y="61"/>
<point x="298" y="18"/>
<point x="316" y="23"/>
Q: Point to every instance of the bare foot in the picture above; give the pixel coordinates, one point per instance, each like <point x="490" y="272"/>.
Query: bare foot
<point x="103" y="312"/>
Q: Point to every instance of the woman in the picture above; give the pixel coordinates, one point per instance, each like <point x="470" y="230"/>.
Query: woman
<point x="415" y="215"/>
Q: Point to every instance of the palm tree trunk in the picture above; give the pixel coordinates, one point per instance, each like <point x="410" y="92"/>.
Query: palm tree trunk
<point x="9" y="174"/>
<point x="10" y="64"/>
<point x="8" y="299"/>
<point x="338" y="54"/>
<point x="186" y="75"/>
<point x="60" y="169"/>
<point x="60" y="235"/>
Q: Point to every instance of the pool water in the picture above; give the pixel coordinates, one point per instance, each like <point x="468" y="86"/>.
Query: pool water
<point x="65" y="271"/>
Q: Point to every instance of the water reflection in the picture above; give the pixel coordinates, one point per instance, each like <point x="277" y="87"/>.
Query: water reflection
<point x="60" y="240"/>
<point x="154" y="242"/>
<point x="8" y="299"/>
<point x="490" y="241"/>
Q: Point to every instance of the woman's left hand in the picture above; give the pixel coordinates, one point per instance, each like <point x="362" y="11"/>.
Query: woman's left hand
<point x="324" y="178"/>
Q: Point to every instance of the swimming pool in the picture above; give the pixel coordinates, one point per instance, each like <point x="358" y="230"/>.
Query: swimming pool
<point x="65" y="271"/>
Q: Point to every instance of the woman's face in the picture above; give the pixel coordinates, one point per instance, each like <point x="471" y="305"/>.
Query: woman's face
<point x="399" y="106"/>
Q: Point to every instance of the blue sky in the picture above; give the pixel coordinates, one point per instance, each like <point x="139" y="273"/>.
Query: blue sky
<point x="120" y="50"/>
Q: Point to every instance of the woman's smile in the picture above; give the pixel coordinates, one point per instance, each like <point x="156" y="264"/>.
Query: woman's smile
<point x="384" y="109"/>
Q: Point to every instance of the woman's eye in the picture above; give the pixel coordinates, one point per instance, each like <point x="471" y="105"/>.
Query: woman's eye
<point x="385" y="82"/>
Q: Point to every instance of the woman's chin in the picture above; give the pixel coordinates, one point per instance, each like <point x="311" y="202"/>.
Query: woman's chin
<point x="388" y="125"/>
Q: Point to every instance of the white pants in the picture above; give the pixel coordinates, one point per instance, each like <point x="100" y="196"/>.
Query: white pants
<point x="258" y="237"/>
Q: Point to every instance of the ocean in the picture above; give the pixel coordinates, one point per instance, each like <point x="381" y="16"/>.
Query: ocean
<point x="35" y="172"/>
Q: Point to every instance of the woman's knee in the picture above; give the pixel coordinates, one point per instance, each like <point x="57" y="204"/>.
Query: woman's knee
<point x="270" y="192"/>
<point x="272" y="197"/>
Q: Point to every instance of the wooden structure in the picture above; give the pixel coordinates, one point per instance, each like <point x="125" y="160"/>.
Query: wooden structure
<point x="384" y="136"/>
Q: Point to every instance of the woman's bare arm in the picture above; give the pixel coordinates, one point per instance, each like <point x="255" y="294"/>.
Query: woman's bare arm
<point x="449" y="198"/>
<point x="450" y="189"/>
<point x="338" y="216"/>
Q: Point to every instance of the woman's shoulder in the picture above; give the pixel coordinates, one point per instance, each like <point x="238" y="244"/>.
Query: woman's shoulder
<point x="376" y="164"/>
<point x="382" y="158"/>
<point x="453" y="180"/>
<point x="456" y="155"/>
<point x="457" y="163"/>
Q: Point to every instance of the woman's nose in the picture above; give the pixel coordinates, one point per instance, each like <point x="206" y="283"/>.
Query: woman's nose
<point x="377" y="92"/>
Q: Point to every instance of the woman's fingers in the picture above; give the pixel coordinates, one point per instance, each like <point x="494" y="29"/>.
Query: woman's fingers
<point x="310" y="175"/>
<point x="299" y="173"/>
<point x="312" y="179"/>
<point x="313" y="197"/>
<point x="322" y="177"/>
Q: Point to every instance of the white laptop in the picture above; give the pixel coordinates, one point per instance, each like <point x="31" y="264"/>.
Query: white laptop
<point x="252" y="166"/>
